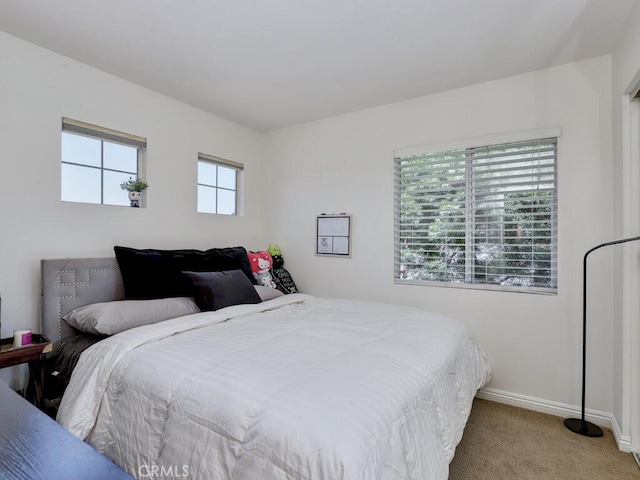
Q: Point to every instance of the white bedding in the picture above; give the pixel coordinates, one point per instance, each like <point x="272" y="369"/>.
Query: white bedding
<point x="294" y="388"/>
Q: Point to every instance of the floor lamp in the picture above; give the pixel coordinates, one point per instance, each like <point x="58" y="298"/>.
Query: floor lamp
<point x="580" y="425"/>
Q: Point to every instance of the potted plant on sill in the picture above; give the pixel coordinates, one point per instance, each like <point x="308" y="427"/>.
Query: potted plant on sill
<point x="135" y="189"/>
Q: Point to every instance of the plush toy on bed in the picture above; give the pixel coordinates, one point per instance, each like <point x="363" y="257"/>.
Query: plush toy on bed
<point x="261" y="263"/>
<point x="282" y="277"/>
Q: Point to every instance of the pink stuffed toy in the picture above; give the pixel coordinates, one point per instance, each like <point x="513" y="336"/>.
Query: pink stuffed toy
<point x="261" y="263"/>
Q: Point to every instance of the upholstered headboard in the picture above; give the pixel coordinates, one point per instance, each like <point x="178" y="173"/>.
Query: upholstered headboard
<point x="68" y="283"/>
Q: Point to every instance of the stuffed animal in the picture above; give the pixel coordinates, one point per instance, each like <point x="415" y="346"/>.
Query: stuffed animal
<point x="282" y="277"/>
<point x="261" y="263"/>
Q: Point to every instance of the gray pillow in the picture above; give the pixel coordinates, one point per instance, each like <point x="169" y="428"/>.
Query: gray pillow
<point x="267" y="293"/>
<point x="109" y="318"/>
<point x="216" y="290"/>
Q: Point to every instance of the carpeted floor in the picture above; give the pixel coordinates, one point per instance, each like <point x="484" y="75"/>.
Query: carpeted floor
<point x="501" y="442"/>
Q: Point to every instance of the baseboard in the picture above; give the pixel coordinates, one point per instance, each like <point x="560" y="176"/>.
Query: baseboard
<point x="563" y="410"/>
<point x="623" y="441"/>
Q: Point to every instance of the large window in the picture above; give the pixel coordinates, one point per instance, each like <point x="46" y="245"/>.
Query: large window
<point x="482" y="215"/>
<point x="218" y="181"/>
<point x="95" y="161"/>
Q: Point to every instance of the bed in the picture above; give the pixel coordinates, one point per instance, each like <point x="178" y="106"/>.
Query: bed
<point x="294" y="387"/>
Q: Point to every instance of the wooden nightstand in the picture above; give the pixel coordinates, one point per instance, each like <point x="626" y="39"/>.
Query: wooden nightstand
<point x="34" y="355"/>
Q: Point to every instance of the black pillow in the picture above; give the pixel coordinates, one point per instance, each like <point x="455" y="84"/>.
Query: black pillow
<point x="215" y="290"/>
<point x="151" y="273"/>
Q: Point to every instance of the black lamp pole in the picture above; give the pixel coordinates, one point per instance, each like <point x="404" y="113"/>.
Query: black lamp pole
<point x="580" y="425"/>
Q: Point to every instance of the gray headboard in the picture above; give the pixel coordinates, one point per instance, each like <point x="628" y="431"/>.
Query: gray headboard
<point x="68" y="283"/>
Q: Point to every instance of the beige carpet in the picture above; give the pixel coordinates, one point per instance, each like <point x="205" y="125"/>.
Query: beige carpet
<point x="501" y="442"/>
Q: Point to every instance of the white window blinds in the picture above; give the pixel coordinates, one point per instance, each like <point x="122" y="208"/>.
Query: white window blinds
<point x="483" y="215"/>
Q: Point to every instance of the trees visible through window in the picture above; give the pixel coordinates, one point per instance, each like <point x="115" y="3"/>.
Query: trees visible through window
<point x="483" y="215"/>
<point x="95" y="161"/>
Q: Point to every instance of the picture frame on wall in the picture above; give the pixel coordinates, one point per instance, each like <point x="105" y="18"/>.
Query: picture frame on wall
<point x="333" y="235"/>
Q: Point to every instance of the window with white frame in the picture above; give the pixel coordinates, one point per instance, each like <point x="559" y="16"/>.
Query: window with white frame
<point x="218" y="181"/>
<point x="95" y="161"/>
<point x="478" y="215"/>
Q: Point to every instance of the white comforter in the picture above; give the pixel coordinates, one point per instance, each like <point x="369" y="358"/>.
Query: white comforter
<point x="293" y="388"/>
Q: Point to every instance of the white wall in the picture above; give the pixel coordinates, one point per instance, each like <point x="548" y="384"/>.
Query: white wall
<point x="345" y="164"/>
<point x="339" y="164"/>
<point x="38" y="88"/>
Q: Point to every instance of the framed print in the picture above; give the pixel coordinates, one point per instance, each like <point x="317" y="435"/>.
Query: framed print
<point x="333" y="235"/>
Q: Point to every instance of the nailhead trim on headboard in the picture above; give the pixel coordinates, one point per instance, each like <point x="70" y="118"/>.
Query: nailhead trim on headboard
<point x="69" y="283"/>
<point x="73" y="284"/>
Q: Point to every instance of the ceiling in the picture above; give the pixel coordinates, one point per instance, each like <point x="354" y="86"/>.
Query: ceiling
<point x="268" y="64"/>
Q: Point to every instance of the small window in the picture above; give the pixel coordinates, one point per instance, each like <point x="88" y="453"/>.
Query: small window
<point x="478" y="215"/>
<point x="95" y="161"/>
<point x="218" y="181"/>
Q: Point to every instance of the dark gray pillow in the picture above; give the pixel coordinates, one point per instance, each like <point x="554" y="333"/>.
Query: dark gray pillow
<point x="216" y="290"/>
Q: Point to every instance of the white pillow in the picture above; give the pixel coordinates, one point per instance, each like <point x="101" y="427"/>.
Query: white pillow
<point x="267" y="293"/>
<point x="109" y="318"/>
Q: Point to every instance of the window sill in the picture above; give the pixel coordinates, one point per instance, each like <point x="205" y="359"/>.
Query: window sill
<point x="476" y="286"/>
